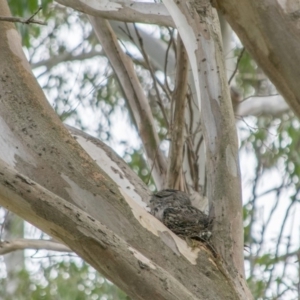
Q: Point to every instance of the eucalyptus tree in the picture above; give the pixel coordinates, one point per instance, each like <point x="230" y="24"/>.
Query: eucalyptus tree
<point x="76" y="189"/>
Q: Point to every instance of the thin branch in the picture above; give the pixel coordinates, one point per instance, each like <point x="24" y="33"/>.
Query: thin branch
<point x="285" y="266"/>
<point x="252" y="214"/>
<point x="124" y="11"/>
<point x="66" y="56"/>
<point x="175" y="177"/>
<point x="272" y="269"/>
<point x="160" y="102"/>
<point x="265" y="226"/>
<point x="22" y="244"/>
<point x="280" y="257"/>
<point x="34" y="14"/>
<point x="135" y="97"/>
<point x="164" y="88"/>
<point x="193" y="168"/>
<point x="30" y="20"/>
<point x="21" y="20"/>
<point x="171" y="32"/>
<point x="237" y="65"/>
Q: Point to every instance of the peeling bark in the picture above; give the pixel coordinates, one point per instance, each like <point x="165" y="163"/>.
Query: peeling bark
<point x="48" y="179"/>
<point x="199" y="28"/>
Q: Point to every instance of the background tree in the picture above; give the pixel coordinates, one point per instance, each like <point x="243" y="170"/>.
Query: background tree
<point x="75" y="88"/>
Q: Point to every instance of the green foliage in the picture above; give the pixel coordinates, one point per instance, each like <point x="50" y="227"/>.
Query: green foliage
<point x="25" y="9"/>
<point x="67" y="280"/>
<point x="275" y="143"/>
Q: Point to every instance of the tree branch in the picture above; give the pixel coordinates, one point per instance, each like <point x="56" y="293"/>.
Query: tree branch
<point x="149" y="67"/>
<point x="198" y="26"/>
<point x="256" y="106"/>
<point x="64" y="57"/>
<point x="54" y="184"/>
<point x="135" y="97"/>
<point x="175" y="177"/>
<point x="89" y="238"/>
<point x="124" y="11"/>
<point x="237" y="65"/>
<point x="21" y="20"/>
<point x="24" y="21"/>
<point x="22" y="244"/>
<point x="114" y="166"/>
<point x="267" y="43"/>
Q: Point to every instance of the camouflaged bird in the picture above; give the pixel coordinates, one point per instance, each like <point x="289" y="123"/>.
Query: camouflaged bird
<point x="174" y="209"/>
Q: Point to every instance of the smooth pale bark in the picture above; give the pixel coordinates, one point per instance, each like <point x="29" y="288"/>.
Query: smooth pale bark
<point x="119" y="261"/>
<point x="257" y="106"/>
<point x="270" y="31"/>
<point x="48" y="179"/>
<point x="88" y="237"/>
<point x="125" y="11"/>
<point x="199" y="28"/>
<point x="13" y="245"/>
<point x="228" y="47"/>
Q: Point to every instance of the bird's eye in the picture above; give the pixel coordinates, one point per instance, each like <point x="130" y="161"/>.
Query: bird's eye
<point x="156" y="209"/>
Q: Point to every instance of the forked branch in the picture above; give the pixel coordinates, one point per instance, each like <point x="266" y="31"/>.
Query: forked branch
<point x="135" y="97"/>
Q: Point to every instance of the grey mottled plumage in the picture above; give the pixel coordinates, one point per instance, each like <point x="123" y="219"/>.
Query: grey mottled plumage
<point x="175" y="210"/>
